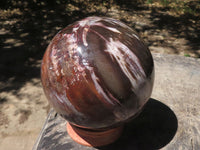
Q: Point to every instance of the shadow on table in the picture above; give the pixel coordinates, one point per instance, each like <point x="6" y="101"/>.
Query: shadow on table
<point x="154" y="128"/>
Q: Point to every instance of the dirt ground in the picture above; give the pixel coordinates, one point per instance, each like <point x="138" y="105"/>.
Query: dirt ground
<point x="26" y="28"/>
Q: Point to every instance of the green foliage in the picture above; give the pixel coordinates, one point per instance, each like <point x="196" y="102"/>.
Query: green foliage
<point x="187" y="55"/>
<point x="149" y="1"/>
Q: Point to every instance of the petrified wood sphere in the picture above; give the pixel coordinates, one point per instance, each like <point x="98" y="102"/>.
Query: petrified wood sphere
<point x="97" y="73"/>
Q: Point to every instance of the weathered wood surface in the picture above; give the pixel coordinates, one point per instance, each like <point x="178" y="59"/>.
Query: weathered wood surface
<point x="170" y="120"/>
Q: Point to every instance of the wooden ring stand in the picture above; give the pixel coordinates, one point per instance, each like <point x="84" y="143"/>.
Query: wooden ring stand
<point x="94" y="138"/>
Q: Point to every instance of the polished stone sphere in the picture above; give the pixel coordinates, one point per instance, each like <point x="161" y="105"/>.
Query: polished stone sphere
<point x="97" y="73"/>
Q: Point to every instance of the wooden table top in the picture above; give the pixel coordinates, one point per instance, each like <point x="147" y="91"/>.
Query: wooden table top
<point x="170" y="119"/>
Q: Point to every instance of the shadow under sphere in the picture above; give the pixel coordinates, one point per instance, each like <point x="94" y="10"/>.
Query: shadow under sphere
<point x="154" y="128"/>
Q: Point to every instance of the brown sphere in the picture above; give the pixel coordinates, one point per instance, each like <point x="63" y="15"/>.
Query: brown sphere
<point x="97" y="73"/>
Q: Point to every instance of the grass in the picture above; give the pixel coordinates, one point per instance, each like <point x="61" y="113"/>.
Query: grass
<point x="187" y="55"/>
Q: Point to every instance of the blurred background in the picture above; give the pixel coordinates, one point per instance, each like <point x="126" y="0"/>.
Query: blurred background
<point x="26" y="28"/>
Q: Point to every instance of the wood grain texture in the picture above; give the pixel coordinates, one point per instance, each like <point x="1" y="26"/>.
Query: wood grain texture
<point x="170" y="119"/>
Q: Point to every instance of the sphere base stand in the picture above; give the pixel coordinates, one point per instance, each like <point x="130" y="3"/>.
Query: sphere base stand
<point x="94" y="138"/>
